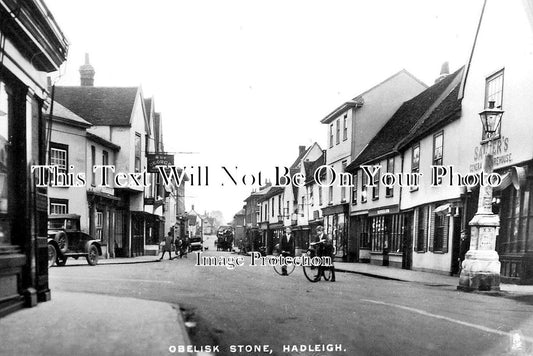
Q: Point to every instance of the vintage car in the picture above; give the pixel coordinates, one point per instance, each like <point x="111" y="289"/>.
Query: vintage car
<point x="224" y="238"/>
<point x="66" y="240"/>
<point x="196" y="243"/>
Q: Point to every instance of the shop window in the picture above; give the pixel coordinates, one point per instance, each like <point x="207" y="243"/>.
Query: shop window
<point x="330" y="135"/>
<point x="517" y="210"/>
<point x="58" y="206"/>
<point x="389" y="191"/>
<point x="378" y="233"/>
<point x="415" y="162"/>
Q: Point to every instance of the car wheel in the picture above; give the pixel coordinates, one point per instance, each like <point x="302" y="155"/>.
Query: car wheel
<point x="61" y="239"/>
<point x="62" y="261"/>
<point x="52" y="255"/>
<point x="92" y="257"/>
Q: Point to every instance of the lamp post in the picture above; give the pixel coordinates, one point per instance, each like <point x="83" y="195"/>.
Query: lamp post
<point x="481" y="267"/>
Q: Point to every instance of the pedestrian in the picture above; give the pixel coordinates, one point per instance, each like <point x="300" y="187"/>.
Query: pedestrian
<point x="327" y="248"/>
<point x="179" y="247"/>
<point x="287" y="247"/>
<point x="167" y="246"/>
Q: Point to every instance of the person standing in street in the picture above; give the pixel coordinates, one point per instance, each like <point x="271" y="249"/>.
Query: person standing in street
<point x="287" y="247"/>
<point x="167" y="246"/>
<point x="327" y="248"/>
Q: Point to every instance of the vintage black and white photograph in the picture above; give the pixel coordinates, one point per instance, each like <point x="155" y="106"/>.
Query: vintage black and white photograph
<point x="252" y="177"/>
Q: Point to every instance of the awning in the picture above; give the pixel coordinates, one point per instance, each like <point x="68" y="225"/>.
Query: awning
<point x="506" y="181"/>
<point x="442" y="209"/>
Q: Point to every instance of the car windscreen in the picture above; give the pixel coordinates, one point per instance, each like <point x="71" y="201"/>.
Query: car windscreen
<point x="55" y="224"/>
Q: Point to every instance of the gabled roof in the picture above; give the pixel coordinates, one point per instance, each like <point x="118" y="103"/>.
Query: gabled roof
<point x="64" y="115"/>
<point x="405" y="120"/>
<point x="109" y="106"/>
<point x="448" y="110"/>
<point x="311" y="167"/>
<point x="359" y="101"/>
<point x="300" y="156"/>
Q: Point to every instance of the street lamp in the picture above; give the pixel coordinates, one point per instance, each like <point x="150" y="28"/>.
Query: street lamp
<point x="490" y="120"/>
<point x="481" y="266"/>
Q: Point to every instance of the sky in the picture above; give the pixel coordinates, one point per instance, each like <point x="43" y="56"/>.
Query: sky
<point x="242" y="84"/>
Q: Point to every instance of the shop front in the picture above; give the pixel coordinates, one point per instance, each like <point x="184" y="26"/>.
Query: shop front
<point x="274" y="235"/>
<point x="388" y="236"/>
<point x="336" y="220"/>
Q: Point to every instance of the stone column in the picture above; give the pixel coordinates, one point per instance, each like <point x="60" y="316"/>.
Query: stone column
<point x="481" y="267"/>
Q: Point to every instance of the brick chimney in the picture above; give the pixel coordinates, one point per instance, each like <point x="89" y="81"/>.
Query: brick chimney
<point x="444" y="72"/>
<point x="301" y="150"/>
<point x="87" y="73"/>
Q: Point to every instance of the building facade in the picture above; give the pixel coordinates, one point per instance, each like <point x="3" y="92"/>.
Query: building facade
<point x="31" y="45"/>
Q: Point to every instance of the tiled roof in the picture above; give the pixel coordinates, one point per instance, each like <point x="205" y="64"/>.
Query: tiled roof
<point x="403" y="122"/>
<point x="448" y="110"/>
<point x="61" y="112"/>
<point x="311" y="167"/>
<point x="99" y="105"/>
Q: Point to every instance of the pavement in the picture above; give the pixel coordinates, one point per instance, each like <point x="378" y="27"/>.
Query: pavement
<point x="427" y="278"/>
<point x="73" y="324"/>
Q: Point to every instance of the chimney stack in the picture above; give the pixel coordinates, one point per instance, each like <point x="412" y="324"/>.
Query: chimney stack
<point x="444" y="71"/>
<point x="87" y="73"/>
<point x="301" y="150"/>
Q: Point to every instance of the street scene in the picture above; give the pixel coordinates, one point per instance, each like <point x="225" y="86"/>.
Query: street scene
<point x="238" y="178"/>
<point x="256" y="306"/>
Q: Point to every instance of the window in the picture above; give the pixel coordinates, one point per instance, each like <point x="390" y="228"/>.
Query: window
<point x="105" y="161"/>
<point x="6" y="164"/>
<point x="345" y="127"/>
<point x="58" y="206"/>
<point x="137" y="152"/>
<point x="422" y="226"/>
<point x="343" y="181"/>
<point x="389" y="191"/>
<point x="99" y="225"/>
<point x="59" y="156"/>
<point x="364" y="183"/>
<point x="319" y="195"/>
<point x="330" y="194"/>
<point x="494" y="90"/>
<point x="272" y="206"/>
<point x="330" y="135"/>
<point x="354" y="189"/>
<point x="375" y="188"/>
<point x="302" y="211"/>
<point x="311" y="200"/>
<point x="279" y="205"/>
<point x="437" y="149"/>
<point x="440" y="234"/>
<point x="415" y="162"/>
<point x="493" y="98"/>
<point x="338" y="131"/>
<point x="287" y="209"/>
<point x="93" y="162"/>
